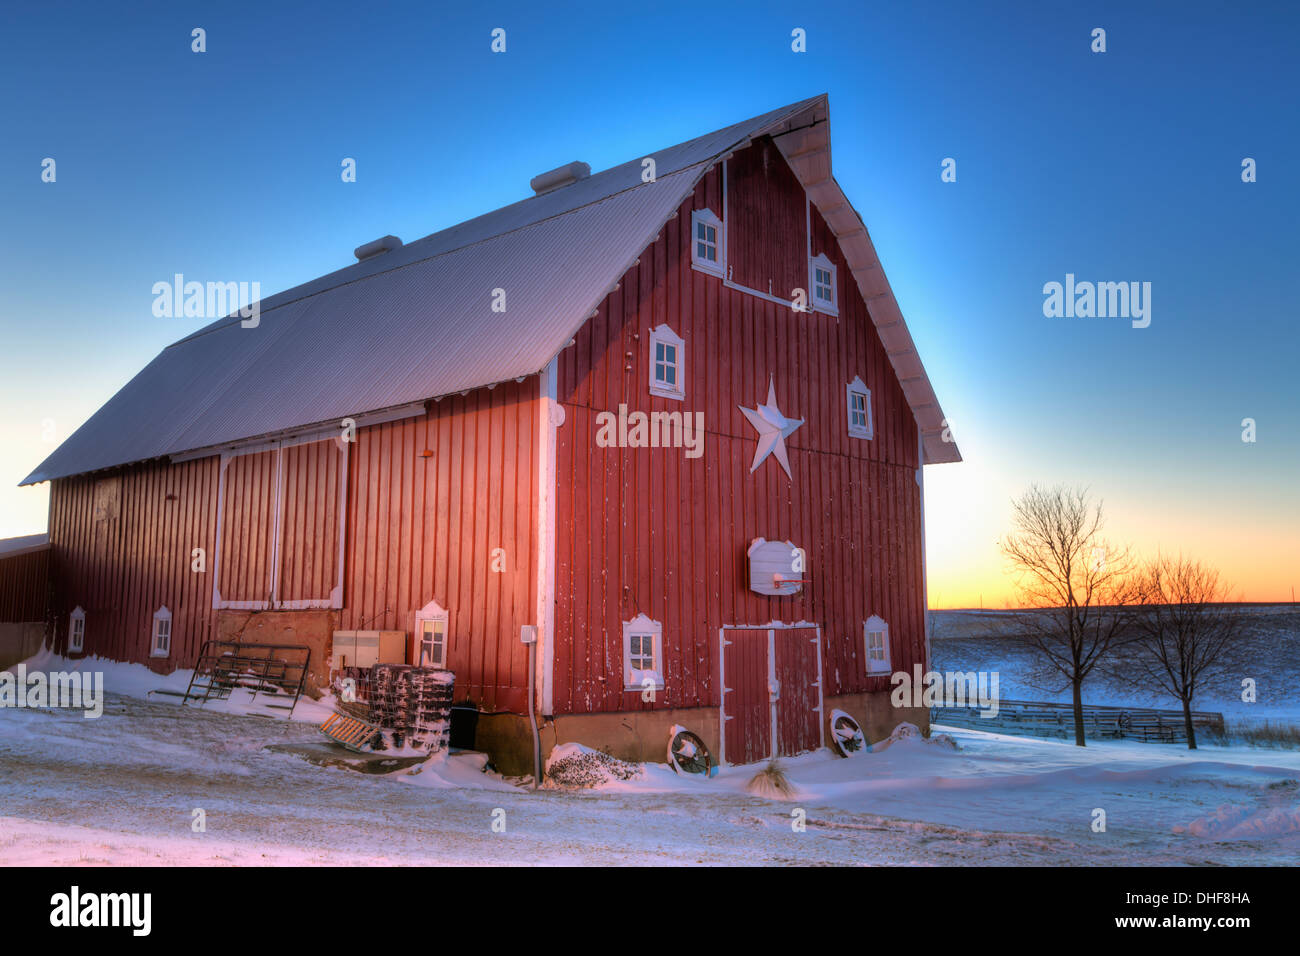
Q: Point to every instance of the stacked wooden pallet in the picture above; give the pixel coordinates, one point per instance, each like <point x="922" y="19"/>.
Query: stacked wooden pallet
<point x="410" y="705"/>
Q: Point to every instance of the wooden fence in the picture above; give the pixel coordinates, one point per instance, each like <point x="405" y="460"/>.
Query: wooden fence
<point x="1043" y="719"/>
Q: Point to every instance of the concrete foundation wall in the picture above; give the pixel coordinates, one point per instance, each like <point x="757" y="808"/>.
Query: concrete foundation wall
<point x="19" y="641"/>
<point x="642" y="736"/>
<point x="313" y="628"/>
<point x="508" y="740"/>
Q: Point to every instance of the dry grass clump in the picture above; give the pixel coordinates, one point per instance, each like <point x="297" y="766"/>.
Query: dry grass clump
<point x="771" y="782"/>
<point x="1267" y="734"/>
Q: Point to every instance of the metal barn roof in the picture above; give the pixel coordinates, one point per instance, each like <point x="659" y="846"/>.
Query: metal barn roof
<point x="417" y="322"/>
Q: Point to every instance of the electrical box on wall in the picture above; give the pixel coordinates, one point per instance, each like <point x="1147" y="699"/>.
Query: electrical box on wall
<point x="368" y="648"/>
<point x="528" y="634"/>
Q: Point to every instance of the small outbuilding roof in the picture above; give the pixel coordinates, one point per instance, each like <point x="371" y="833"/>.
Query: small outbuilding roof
<point x="417" y="322"/>
<point x="24" y="544"/>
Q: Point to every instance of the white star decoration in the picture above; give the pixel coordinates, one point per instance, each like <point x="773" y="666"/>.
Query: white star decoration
<point x="773" y="429"/>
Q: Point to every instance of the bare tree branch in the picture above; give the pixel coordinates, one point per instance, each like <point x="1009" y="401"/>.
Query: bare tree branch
<point x="1080" y="585"/>
<point x="1183" y="629"/>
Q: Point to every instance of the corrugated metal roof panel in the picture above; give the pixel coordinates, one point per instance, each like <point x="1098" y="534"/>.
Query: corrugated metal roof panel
<point x="418" y="331"/>
<point x="534" y="209"/>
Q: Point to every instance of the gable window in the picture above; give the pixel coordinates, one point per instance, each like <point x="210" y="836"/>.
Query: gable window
<point x="76" y="631"/>
<point x="822" y="272"/>
<point x="667" y="363"/>
<point x="706" y="241"/>
<point x="431" y="636"/>
<point x="858" y="400"/>
<point x="876" y="635"/>
<point x="642" y="653"/>
<point x="162" y="633"/>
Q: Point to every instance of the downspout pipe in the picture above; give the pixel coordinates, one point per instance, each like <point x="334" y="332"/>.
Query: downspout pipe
<point x="532" y="710"/>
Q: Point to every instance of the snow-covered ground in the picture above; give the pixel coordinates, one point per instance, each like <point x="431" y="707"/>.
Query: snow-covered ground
<point x="122" y="789"/>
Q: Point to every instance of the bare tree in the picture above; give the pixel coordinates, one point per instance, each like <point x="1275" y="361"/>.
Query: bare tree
<point x="1183" y="630"/>
<point x="1078" y="585"/>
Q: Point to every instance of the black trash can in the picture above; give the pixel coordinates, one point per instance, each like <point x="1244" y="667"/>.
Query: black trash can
<point x="464" y="725"/>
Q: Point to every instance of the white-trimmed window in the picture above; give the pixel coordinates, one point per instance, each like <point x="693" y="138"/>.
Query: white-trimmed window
<point x="667" y="363"/>
<point x="857" y="399"/>
<point x="875" y="633"/>
<point x="706" y="242"/>
<point x="643" y="649"/>
<point x="821" y="271"/>
<point x="76" y="631"/>
<point x="431" y="635"/>
<point x="161" y="646"/>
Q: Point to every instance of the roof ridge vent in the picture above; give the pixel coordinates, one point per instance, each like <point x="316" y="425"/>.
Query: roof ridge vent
<point x="376" y="247"/>
<point x="560" y="176"/>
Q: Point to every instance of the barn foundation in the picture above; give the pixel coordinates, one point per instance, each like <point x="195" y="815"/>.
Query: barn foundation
<point x="314" y="628"/>
<point x="642" y="735"/>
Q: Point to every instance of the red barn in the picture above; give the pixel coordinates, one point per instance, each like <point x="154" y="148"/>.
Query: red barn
<point x="667" y="418"/>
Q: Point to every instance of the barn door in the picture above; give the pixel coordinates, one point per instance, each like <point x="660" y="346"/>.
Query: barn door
<point x="798" y="704"/>
<point x="771" y="695"/>
<point x="746" y="696"/>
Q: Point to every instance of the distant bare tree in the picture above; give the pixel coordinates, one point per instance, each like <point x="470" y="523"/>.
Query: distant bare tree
<point x="1080" y="587"/>
<point x="1183" y="630"/>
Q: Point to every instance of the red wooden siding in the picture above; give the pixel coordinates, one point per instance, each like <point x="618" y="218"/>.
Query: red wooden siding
<point x="649" y="530"/>
<point x="24" y="586"/>
<point x="422" y="529"/>
<point x="299" y="484"/>
<point x="765" y="200"/>
<point x="247" y="527"/>
<point x="748" y="730"/>
<point x="418" y="529"/>
<point x="309" y="535"/>
<point x="798" y="722"/>
<point x="135" y="558"/>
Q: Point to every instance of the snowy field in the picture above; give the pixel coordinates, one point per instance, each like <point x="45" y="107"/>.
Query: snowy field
<point x="1268" y="652"/>
<point x="122" y="789"/>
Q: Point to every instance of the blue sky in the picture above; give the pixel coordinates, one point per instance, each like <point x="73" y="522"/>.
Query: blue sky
<point x="1115" y="166"/>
